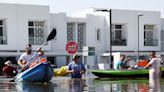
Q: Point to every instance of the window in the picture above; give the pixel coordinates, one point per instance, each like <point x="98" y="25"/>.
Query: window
<point x="149" y="35"/>
<point x="76" y="32"/>
<point x="3" y="33"/>
<point x="80" y="34"/>
<point x="98" y="34"/>
<point x="118" y="35"/>
<point x="70" y="32"/>
<point x="36" y="31"/>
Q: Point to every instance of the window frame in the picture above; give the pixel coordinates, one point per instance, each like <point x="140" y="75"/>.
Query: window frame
<point x="4" y="32"/>
<point x="39" y="31"/>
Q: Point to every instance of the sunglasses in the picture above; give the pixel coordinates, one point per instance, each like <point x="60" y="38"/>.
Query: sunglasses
<point x="29" y="48"/>
<point x="151" y="54"/>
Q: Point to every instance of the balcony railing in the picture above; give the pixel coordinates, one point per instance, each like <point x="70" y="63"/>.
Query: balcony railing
<point x="118" y="42"/>
<point x="153" y="42"/>
<point x="36" y="40"/>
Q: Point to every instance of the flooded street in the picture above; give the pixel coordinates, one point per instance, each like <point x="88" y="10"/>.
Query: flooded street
<point x="88" y="84"/>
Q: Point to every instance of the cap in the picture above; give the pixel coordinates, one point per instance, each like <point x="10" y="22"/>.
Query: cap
<point x="28" y="46"/>
<point x="76" y="56"/>
<point x="9" y="63"/>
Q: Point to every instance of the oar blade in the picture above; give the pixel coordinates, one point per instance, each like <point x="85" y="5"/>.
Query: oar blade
<point x="51" y="35"/>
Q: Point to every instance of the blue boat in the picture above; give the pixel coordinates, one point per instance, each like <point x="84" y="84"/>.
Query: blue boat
<point x="41" y="72"/>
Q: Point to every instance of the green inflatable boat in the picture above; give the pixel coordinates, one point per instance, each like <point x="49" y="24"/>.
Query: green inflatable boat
<point x="123" y="73"/>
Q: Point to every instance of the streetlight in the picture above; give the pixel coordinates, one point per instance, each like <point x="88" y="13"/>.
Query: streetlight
<point x="138" y="36"/>
<point x="110" y="23"/>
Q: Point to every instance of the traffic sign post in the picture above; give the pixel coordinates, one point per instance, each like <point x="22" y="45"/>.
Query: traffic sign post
<point x="71" y="47"/>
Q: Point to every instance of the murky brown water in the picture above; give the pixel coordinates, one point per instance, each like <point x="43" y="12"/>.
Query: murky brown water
<point x="88" y="84"/>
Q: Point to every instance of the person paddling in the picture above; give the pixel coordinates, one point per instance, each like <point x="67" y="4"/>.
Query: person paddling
<point x="28" y="57"/>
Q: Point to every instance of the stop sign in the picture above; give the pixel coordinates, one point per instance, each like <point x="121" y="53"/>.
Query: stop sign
<point x="71" y="47"/>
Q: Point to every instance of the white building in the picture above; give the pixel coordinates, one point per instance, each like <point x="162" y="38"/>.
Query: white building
<point x="22" y="24"/>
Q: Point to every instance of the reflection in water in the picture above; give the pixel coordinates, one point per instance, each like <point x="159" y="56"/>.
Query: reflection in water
<point x="6" y="87"/>
<point x="76" y="85"/>
<point x="34" y="87"/>
<point x="154" y="85"/>
<point x="121" y="85"/>
<point x="70" y="85"/>
<point x="66" y="84"/>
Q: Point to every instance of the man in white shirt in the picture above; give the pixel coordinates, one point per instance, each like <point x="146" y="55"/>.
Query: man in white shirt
<point x="29" y="56"/>
<point x="154" y="64"/>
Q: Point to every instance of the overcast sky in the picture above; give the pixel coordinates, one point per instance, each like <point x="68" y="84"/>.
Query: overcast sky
<point x="70" y="6"/>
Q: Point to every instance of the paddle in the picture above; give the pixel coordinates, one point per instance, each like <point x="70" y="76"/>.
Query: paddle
<point x="50" y="37"/>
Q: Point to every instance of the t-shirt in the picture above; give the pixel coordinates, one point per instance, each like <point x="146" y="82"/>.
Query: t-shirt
<point x="118" y="65"/>
<point x="29" y="58"/>
<point x="155" y="68"/>
<point x="77" y="69"/>
<point x="9" y="71"/>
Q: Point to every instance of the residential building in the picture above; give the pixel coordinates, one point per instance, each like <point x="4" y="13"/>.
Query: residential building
<point x="21" y="24"/>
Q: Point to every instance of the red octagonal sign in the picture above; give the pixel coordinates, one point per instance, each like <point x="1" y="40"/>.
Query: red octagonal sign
<point x="71" y="47"/>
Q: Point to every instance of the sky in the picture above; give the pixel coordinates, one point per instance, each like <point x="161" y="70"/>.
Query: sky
<point x="70" y="6"/>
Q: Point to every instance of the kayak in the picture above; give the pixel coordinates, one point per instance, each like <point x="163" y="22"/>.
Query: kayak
<point x="122" y="73"/>
<point x="42" y="72"/>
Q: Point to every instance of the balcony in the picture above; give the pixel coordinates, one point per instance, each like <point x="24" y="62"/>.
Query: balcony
<point x="36" y="40"/>
<point x="119" y="42"/>
<point x="149" y="42"/>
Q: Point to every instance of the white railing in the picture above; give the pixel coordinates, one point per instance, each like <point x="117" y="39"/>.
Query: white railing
<point x="117" y="42"/>
<point x="153" y="42"/>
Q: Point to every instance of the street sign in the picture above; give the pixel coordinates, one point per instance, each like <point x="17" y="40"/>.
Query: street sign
<point x="71" y="47"/>
<point x="91" y="51"/>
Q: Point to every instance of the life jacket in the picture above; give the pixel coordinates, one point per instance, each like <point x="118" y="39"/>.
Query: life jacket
<point x="42" y="60"/>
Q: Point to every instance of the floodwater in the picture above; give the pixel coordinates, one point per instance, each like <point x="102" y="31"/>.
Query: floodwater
<point x="87" y="84"/>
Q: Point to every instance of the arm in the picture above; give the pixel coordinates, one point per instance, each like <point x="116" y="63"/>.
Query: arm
<point x="149" y="64"/>
<point x="69" y="70"/>
<point x="126" y="63"/>
<point x="128" y="59"/>
<point x="40" y="52"/>
<point x="22" y="63"/>
<point x="83" y="69"/>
